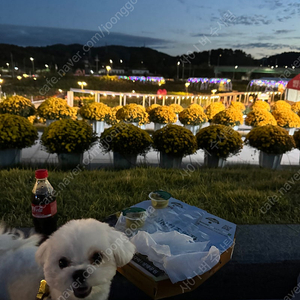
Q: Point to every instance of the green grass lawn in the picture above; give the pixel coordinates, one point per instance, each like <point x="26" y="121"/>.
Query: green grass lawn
<point x="236" y="194"/>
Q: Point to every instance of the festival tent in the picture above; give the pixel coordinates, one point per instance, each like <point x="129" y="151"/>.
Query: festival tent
<point x="293" y="89"/>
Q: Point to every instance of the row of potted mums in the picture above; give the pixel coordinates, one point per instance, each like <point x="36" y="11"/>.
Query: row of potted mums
<point x="126" y="141"/>
<point x="193" y="117"/>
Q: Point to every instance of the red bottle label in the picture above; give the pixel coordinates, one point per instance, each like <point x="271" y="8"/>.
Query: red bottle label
<point x="44" y="211"/>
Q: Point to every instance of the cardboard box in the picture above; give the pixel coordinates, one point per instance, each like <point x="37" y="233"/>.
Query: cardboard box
<point x="155" y="282"/>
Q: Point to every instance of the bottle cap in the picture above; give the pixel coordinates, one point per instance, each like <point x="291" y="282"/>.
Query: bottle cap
<point x="41" y="173"/>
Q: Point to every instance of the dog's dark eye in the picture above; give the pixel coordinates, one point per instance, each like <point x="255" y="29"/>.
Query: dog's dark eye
<point x="96" y="258"/>
<point x="63" y="263"/>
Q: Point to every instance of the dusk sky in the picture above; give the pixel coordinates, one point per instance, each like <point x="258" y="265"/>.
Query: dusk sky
<point x="260" y="28"/>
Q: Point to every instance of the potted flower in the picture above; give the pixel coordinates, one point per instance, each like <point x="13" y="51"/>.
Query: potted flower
<point x="96" y="113"/>
<point x="238" y="105"/>
<point x="55" y="109"/>
<point x="229" y="117"/>
<point x="287" y="119"/>
<point x="111" y="118"/>
<point x="177" y="109"/>
<point x="260" y="117"/>
<point x="152" y="106"/>
<point x="127" y="141"/>
<point x="16" y="133"/>
<point x="297" y="138"/>
<point x="272" y="141"/>
<point x="133" y="113"/>
<point x="192" y="118"/>
<point x="162" y="115"/>
<point x="69" y="139"/>
<point x="281" y="105"/>
<point x="213" y="109"/>
<point x="296" y="107"/>
<point x="260" y="104"/>
<point x="17" y="105"/>
<point x="218" y="143"/>
<point x="173" y="142"/>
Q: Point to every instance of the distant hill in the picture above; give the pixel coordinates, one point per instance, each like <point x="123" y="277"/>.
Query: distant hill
<point x="197" y="63"/>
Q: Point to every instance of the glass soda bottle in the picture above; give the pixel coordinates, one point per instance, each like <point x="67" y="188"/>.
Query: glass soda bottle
<point x="43" y="204"/>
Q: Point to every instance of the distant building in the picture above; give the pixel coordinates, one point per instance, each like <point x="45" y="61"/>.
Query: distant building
<point x="140" y="72"/>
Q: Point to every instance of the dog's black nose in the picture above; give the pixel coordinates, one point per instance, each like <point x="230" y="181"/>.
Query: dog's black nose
<point x="79" y="276"/>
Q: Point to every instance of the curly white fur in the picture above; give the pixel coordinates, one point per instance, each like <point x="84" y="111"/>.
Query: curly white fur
<point x="23" y="264"/>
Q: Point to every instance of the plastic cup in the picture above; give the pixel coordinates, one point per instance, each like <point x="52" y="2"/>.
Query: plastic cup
<point x="135" y="217"/>
<point x="157" y="201"/>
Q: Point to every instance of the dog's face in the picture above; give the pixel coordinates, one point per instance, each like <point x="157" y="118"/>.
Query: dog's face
<point x="80" y="259"/>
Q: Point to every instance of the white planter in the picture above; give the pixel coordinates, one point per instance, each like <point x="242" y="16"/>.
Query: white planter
<point x="124" y="161"/>
<point x="98" y="126"/>
<point x="291" y="131"/>
<point x="213" y="161"/>
<point x="48" y="122"/>
<point x="206" y="124"/>
<point x="10" y="157"/>
<point x="193" y="128"/>
<point x="69" y="159"/>
<point x="158" y="126"/>
<point x="169" y="161"/>
<point x="236" y="127"/>
<point x="270" y="161"/>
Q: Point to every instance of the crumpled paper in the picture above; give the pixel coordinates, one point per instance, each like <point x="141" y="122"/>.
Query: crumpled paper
<point x="176" y="253"/>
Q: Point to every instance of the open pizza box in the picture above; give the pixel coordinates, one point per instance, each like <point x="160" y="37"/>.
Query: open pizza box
<point x="191" y="221"/>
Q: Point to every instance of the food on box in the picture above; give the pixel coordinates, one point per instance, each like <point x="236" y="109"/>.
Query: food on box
<point x="159" y="199"/>
<point x="135" y="217"/>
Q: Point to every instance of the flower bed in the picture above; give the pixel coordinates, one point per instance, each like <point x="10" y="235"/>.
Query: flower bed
<point x="125" y="138"/>
<point x="56" y="109"/>
<point x="68" y="136"/>
<point x="193" y="116"/>
<point x="95" y="111"/>
<point x="270" y="139"/>
<point x="174" y="140"/>
<point x="260" y="117"/>
<point x="213" y="109"/>
<point x="219" y="140"/>
<point x="16" y="132"/>
<point x="228" y="117"/>
<point x="17" y="105"/>
<point x="133" y="113"/>
<point x="162" y="115"/>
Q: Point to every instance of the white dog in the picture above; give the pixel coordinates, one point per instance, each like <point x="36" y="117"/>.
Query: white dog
<point x="79" y="260"/>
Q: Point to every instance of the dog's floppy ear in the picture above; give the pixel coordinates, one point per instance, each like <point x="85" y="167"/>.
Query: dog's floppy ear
<point x="40" y="255"/>
<point x="123" y="249"/>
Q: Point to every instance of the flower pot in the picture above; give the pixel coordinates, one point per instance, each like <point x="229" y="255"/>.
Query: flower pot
<point x="213" y="161"/>
<point x="98" y="126"/>
<point x="206" y="124"/>
<point x="193" y="128"/>
<point x="235" y="127"/>
<point x="270" y="161"/>
<point x="70" y="159"/>
<point x="169" y="161"/>
<point x="124" y="161"/>
<point x="10" y="157"/>
<point x="143" y="126"/>
<point x="158" y="126"/>
<point x="48" y="122"/>
<point x="291" y="131"/>
<point x="135" y="123"/>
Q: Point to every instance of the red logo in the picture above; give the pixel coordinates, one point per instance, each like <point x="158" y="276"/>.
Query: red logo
<point x="44" y="211"/>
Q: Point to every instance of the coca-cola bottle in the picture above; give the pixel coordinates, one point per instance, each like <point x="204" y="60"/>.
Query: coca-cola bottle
<point x="43" y="204"/>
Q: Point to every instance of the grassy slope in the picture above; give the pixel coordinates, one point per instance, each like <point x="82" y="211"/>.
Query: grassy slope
<point x="235" y="194"/>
